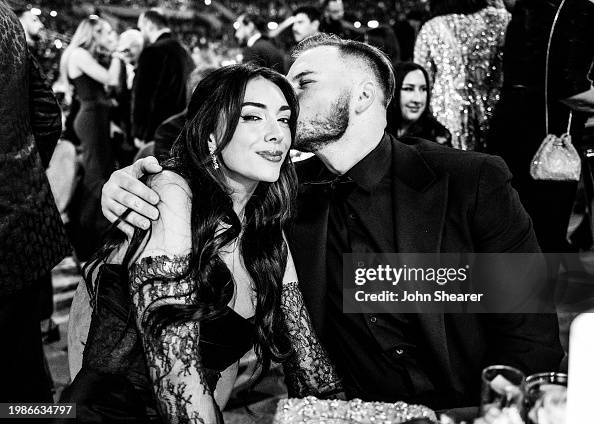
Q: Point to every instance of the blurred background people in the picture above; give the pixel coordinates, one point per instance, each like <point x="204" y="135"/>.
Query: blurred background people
<point x="519" y="127"/>
<point x="306" y="22"/>
<point x="333" y="12"/>
<point x="32" y="238"/>
<point x="383" y="38"/>
<point x="169" y="130"/>
<point x="80" y="66"/>
<point x="129" y="48"/>
<point x="409" y="112"/>
<point x="250" y="30"/>
<point x="31" y="24"/>
<point x="160" y="82"/>
<point x="462" y="49"/>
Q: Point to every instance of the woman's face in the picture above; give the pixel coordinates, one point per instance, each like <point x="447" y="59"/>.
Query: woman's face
<point x="413" y="96"/>
<point x="106" y="36"/>
<point x="262" y="138"/>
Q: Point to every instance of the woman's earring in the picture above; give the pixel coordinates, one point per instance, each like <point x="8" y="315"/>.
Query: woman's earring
<point x="212" y="148"/>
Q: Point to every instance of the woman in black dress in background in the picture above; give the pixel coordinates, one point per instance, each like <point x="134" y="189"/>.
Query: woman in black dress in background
<point x="80" y="66"/>
<point x="409" y="113"/>
<point x="518" y="127"/>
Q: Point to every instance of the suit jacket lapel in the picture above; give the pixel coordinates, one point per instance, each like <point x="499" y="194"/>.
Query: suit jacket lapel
<point x="420" y="203"/>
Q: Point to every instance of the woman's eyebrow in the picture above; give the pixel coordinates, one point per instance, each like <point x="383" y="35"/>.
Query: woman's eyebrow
<point x="263" y="106"/>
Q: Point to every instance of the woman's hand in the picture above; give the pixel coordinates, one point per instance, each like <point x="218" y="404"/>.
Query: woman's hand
<point x="123" y="191"/>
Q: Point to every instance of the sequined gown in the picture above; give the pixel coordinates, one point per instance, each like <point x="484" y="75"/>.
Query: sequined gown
<point x="463" y="55"/>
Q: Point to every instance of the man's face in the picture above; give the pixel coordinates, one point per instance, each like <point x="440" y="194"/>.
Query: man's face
<point x="303" y="27"/>
<point x="243" y="31"/>
<point x="335" y="10"/>
<point x="324" y="91"/>
<point x="31" y="24"/>
<point x="130" y="47"/>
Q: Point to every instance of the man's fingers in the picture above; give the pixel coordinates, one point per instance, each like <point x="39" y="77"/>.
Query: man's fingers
<point x="122" y="225"/>
<point x="148" y="165"/>
<point x="138" y="206"/>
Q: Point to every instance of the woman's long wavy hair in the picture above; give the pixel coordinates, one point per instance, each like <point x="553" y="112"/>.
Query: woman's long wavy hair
<point x="215" y="108"/>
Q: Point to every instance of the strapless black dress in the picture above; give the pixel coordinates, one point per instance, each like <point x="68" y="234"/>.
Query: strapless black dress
<point x="114" y="385"/>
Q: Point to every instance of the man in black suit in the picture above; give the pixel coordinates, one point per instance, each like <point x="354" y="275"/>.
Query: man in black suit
<point x="160" y="82"/>
<point x="257" y="48"/>
<point x="32" y="237"/>
<point x="391" y="197"/>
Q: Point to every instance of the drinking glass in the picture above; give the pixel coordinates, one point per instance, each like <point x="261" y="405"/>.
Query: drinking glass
<point x="502" y="387"/>
<point x="546" y="398"/>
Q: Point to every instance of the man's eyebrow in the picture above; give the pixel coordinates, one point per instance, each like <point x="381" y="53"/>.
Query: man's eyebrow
<point x="303" y="74"/>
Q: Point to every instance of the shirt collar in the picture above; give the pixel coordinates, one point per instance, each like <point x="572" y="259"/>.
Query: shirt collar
<point x="369" y="171"/>
<point x="252" y="40"/>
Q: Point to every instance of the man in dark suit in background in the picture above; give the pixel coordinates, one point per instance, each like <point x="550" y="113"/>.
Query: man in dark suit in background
<point x="413" y="197"/>
<point x="258" y="49"/>
<point x="160" y="82"/>
<point x="32" y="238"/>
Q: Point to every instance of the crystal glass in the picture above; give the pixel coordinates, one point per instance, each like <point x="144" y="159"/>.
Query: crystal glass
<point x="502" y="387"/>
<point x="546" y="398"/>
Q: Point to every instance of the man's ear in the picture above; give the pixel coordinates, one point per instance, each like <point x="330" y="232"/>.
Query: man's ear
<point x="365" y="96"/>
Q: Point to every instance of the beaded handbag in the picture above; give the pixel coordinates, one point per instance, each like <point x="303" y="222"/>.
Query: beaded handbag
<point x="556" y="159"/>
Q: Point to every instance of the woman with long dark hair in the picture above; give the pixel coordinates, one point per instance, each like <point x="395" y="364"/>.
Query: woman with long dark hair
<point x="213" y="276"/>
<point x="409" y="112"/>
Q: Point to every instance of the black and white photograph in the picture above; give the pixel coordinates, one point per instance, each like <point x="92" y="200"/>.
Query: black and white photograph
<point x="297" y="212"/>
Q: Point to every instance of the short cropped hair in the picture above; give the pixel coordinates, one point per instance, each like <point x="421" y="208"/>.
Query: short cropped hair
<point x="373" y="58"/>
<point x="258" y="21"/>
<point x="313" y="13"/>
<point x="156" y="17"/>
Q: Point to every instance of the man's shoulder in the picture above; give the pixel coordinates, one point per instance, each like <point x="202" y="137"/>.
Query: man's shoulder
<point x="447" y="160"/>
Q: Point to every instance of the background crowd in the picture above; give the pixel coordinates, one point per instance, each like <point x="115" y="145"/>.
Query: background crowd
<point x="470" y="74"/>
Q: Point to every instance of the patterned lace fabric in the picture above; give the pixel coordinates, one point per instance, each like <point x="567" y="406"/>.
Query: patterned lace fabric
<point x="175" y="365"/>
<point x="308" y="371"/>
<point x="464" y="55"/>
<point x="315" y="411"/>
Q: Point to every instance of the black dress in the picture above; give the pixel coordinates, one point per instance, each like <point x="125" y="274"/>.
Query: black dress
<point x="91" y="126"/>
<point x="518" y="126"/>
<point x="114" y="384"/>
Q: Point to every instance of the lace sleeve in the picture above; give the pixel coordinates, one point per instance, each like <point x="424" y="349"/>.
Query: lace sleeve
<point x="174" y="362"/>
<point x="308" y="371"/>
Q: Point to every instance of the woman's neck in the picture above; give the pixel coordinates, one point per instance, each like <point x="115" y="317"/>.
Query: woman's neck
<point x="240" y="195"/>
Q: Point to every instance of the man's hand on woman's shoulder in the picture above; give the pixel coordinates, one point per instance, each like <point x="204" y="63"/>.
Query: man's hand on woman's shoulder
<point x="123" y="190"/>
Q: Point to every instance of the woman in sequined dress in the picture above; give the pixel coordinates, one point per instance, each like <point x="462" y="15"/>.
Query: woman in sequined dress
<point x="176" y="306"/>
<point x="409" y="112"/>
<point x="462" y="49"/>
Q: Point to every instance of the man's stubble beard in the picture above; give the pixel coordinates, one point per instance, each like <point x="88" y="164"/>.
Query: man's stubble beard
<point x="324" y="130"/>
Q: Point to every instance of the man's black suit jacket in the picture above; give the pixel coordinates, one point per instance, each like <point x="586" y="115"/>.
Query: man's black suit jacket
<point x="444" y="200"/>
<point x="159" y="85"/>
<point x="264" y="53"/>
